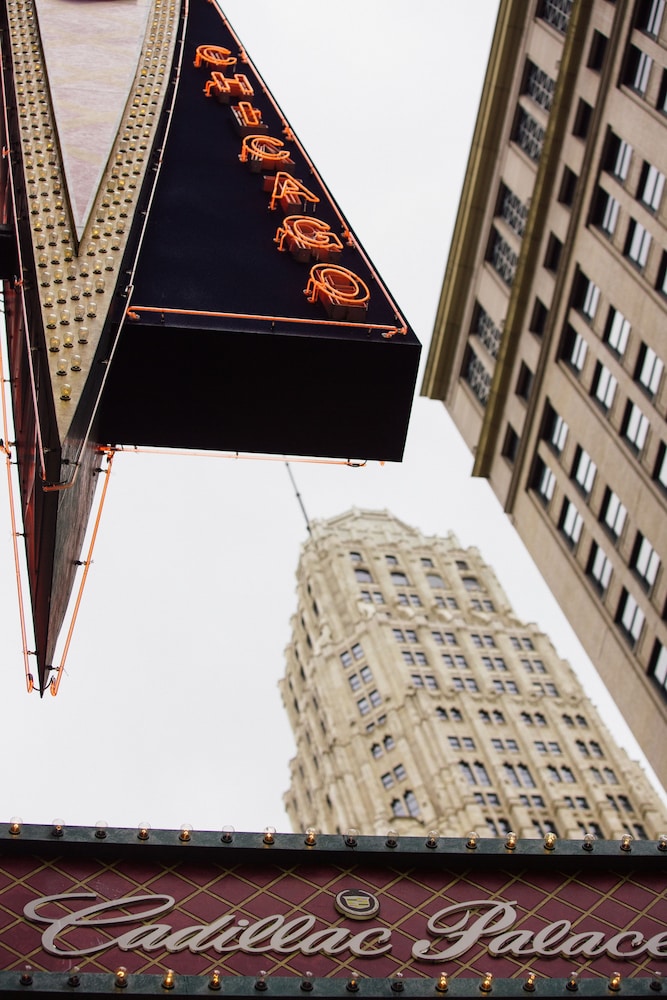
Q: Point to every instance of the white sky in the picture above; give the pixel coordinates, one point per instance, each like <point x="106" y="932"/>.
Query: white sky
<point x="169" y="711"/>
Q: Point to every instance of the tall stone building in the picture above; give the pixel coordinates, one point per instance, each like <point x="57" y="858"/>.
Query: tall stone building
<point x="549" y="346"/>
<point x="420" y="701"/>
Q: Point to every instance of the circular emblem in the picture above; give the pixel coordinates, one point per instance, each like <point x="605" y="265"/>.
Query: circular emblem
<point x="357" y="904"/>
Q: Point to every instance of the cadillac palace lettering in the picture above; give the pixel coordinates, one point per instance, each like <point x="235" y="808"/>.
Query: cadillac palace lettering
<point x="454" y="930"/>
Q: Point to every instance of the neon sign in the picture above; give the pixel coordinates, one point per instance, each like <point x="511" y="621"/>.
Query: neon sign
<point x="341" y="292"/>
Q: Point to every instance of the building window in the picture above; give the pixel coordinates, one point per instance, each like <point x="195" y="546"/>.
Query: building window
<point x="357" y="651"/>
<point x="637" y="70"/>
<point x="613" y="513"/>
<point x="597" y="51"/>
<point x="510" y="446"/>
<point x="363" y="706"/>
<point x="375" y="698"/>
<point x="398" y="808"/>
<point x="582" y="119"/>
<point x="649" y="370"/>
<point x="391" y="560"/>
<point x="399" y="579"/>
<point x="555" y="430"/>
<point x="512" y="210"/>
<point x="354" y="682"/>
<point x="584" y="470"/>
<point x="503" y="257"/>
<point x="355" y="557"/>
<point x="389" y="742"/>
<point x="604" y="386"/>
<point x="528" y="134"/>
<point x="387" y="780"/>
<point x="377" y="597"/>
<point x="645" y="561"/>
<point x="376" y="750"/>
<point x="638" y="243"/>
<point x="415" y="601"/>
<point x="617" y="157"/>
<point x="651" y="185"/>
<point x="635" y="427"/>
<point x="599" y="567"/>
<point x="587" y="296"/>
<point x="400" y="773"/>
<point x="411" y="803"/>
<point x="606" y="212"/>
<point x="524" y="382"/>
<point x="556" y="13"/>
<point x="660" y="472"/>
<point x="649" y="16"/>
<point x="630" y="617"/>
<point x="617" y="332"/>
<point x="658" y="667"/>
<point x="363" y="576"/>
<point x="539" y="86"/>
<point x="366" y="674"/>
<point x="571" y="522"/>
<point x="574" y="349"/>
<point x="434" y="580"/>
<point x="538" y="320"/>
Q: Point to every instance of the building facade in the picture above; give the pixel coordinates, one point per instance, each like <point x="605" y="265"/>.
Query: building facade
<point x="420" y="701"/>
<point x="549" y="345"/>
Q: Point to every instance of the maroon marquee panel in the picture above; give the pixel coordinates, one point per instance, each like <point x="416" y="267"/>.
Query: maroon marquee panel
<point x="329" y="919"/>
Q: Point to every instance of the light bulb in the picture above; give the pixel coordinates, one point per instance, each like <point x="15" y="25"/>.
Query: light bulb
<point x="15" y="825"/>
<point x="351" y="837"/>
<point x="442" y="985"/>
<point x="269" y="834"/>
<point x="549" y="841"/>
<point x="529" y="985"/>
<point x="58" y="828"/>
<point x="144" y="831"/>
<point x="83" y="333"/>
<point x="615" y="981"/>
<point x="432" y="838"/>
<point x="626" y="842"/>
<point x="589" y="841"/>
<point x="471" y="842"/>
<point x="214" y="981"/>
<point x="572" y="983"/>
<point x="168" y="981"/>
<point x="75" y="364"/>
<point x="186" y="832"/>
<point x="511" y="840"/>
<point x="486" y="983"/>
<point x="397" y="985"/>
<point x="662" y="842"/>
<point x="392" y="838"/>
<point x="227" y="834"/>
<point x="307" y="982"/>
<point x="101" y="828"/>
<point x="66" y="391"/>
<point x="311" y="836"/>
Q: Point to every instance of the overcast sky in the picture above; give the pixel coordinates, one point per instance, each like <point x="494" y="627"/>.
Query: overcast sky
<point x="169" y="711"/>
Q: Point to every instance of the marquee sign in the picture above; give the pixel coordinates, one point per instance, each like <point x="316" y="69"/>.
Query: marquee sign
<point x="211" y="296"/>
<point x="329" y="912"/>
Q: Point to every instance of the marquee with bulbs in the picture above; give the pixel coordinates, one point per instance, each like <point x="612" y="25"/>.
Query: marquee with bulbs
<point x="102" y="910"/>
<point x="214" y="297"/>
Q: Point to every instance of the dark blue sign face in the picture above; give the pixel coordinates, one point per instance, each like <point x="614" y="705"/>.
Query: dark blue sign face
<point x="249" y="273"/>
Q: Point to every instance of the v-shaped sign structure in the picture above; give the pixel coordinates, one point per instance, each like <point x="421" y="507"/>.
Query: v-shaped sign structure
<point x="176" y="272"/>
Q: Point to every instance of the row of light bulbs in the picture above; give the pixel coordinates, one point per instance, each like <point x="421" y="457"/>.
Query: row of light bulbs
<point x="350" y="838"/>
<point x="397" y="983"/>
